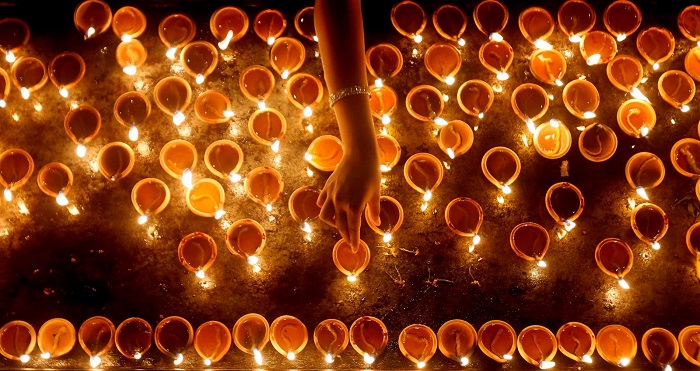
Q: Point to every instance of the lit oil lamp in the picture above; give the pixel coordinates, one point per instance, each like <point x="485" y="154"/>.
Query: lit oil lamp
<point x="501" y="167"/>
<point x="96" y="337"/>
<point x="4" y="88"/>
<point x="287" y="55"/>
<point x="564" y="203"/>
<point x="199" y="59"/>
<point x="423" y="172"/>
<point x="644" y="170"/>
<point x="597" y="143"/>
<point x="213" y="107"/>
<point x="538" y="346"/>
<point x="206" y="198"/>
<point x="55" y="180"/>
<point x="172" y="95"/>
<point x="692" y="242"/>
<point x="224" y="159"/>
<point x="368" y="336"/>
<point x="443" y="61"/>
<point x="475" y="97"/>
<point x="548" y="66"/>
<point x="389" y="152"/>
<point x="288" y="336"/>
<point x="689" y="341"/>
<point x="622" y="18"/>
<point x="688" y="23"/>
<point x="497" y="340"/>
<point x="264" y="186"/>
<point x="131" y="110"/>
<point x="455" y="138"/>
<point x="133" y="338"/>
<point x="351" y="261"/>
<point x="576" y="341"/>
<point x="267" y="126"/>
<point x="128" y="23"/>
<point x="383" y="61"/>
<point x="82" y="125"/>
<point x="331" y="338"/>
<point x="303" y="207"/>
<point x="17" y="341"/>
<point x="176" y="31"/>
<point x="149" y="196"/>
<point x="257" y="84"/>
<point x="197" y="252"/>
<point x="324" y="153"/>
<point x="409" y="20"/>
<point x="649" y="223"/>
<point x="552" y="140"/>
<point x="450" y="22"/>
<point x="636" y="117"/>
<point x="424" y="102"/>
<point x="530" y="241"/>
<point x="115" y="160"/>
<point x="418" y="343"/>
<point x="305" y="92"/>
<point x="14" y="36"/>
<point x="390" y="216"/>
<point x="691" y="63"/>
<point x="269" y="25"/>
<point x="92" y="18"/>
<point x="173" y="336"/>
<point x="616" y="344"/>
<point x="212" y="341"/>
<point x="464" y="217"/>
<point x="16" y="167"/>
<point x="677" y="88"/>
<point x="575" y="18"/>
<point x="536" y="25"/>
<point x="383" y="102"/>
<point x="597" y="47"/>
<point x="496" y="56"/>
<point x="179" y="158"/>
<point x="625" y="72"/>
<point x="491" y="17"/>
<point x="660" y="347"/>
<point x="685" y="157"/>
<point x="55" y="338"/>
<point x="66" y="70"/>
<point x="614" y="257"/>
<point x="530" y="102"/>
<point x="245" y="239"/>
<point x="28" y="74"/>
<point x="304" y="23"/>
<point x="228" y="25"/>
<point x="656" y="45"/>
<point x="456" y="340"/>
<point x="250" y="334"/>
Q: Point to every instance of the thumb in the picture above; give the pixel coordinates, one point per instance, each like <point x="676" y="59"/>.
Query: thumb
<point x="374" y="209"/>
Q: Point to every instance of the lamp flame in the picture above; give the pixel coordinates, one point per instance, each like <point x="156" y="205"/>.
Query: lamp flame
<point x="3" y="104"/>
<point x="234" y="177"/>
<point x="178" y="360"/>
<point x="450" y="153"/>
<point x="63" y="92"/>
<point x="171" y="53"/>
<point x="275" y="146"/>
<point x="8" y="194"/>
<point x="368" y="358"/>
<point x="569" y="225"/>
<point x="464" y="361"/>
<point x="137" y="355"/>
<point x="655" y="66"/>
<point x="90" y="32"/>
<point x="270" y="40"/>
<point x="329" y="358"/>
<point x="624" y="362"/>
<point x="449" y="80"/>
<point x="126" y="38"/>
<point x="642" y="193"/>
<point x="306" y="227"/>
<point x="258" y="356"/>
<point x="130" y="70"/>
<point x="133" y="134"/>
<point x="291" y="356"/>
<point x="61" y="198"/>
<point x="506" y="189"/>
<point x="143" y="219"/>
<point x="207" y="362"/>
<point x="219" y="213"/>
<point x="252" y="260"/>
<point x="495" y="36"/>
<point x="530" y="125"/>
<point x="575" y="38"/>
<point x="386" y="119"/>
<point x="558" y="82"/>
<point x="427" y="195"/>
<point x="554" y="123"/>
<point x="387" y="237"/>
<point x="685" y="108"/>
<point x="81" y="151"/>
<point x="545" y="365"/>
<point x="636" y="93"/>
<point x="25" y="92"/>
<point x="187" y="178"/>
<point x="420" y="364"/>
<point x="476" y="239"/>
<point x="199" y="79"/>
<point x="541" y="264"/>
<point x="502" y="76"/>
<point x="285" y="74"/>
<point x="178" y="118"/>
<point x="307" y="111"/>
<point x="588" y="115"/>
<point x="480" y="115"/>
<point x="379" y="82"/>
<point x="352" y="278"/>
<point x="644" y="131"/>
<point x="95" y="361"/>
<point x="46" y="355"/>
<point x="586" y="358"/>
<point x="621" y="37"/>
<point x="10" y="56"/>
<point x="507" y="357"/>
<point x="261" y="104"/>
<point x="268" y="207"/>
<point x="623" y="283"/>
<point x="417" y="38"/>
<point x="593" y="59"/>
<point x="655" y="245"/>
<point x="541" y="44"/>
<point x="440" y="121"/>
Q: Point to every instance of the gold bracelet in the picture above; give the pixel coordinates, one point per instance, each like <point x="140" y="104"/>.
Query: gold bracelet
<point x="346" y="92"/>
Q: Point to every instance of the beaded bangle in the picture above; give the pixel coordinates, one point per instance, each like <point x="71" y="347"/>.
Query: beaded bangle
<point x="346" y="92"/>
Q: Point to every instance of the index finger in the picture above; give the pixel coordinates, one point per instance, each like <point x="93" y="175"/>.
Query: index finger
<point x="354" y="223"/>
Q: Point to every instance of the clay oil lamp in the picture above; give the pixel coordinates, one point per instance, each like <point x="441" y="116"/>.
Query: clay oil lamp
<point x="66" y="70"/>
<point x="692" y="242"/>
<point x="475" y="97"/>
<point x="390" y="216"/>
<point x="660" y="347"/>
<point x="264" y="186"/>
<point x="497" y="340"/>
<point x="616" y="344"/>
<point x="331" y="338"/>
<point x="228" y="24"/>
<point x="597" y="47"/>
<point x="350" y="261"/>
<point x="564" y="203"/>
<point x="456" y="340"/>
<point x="176" y="31"/>
<point x="383" y="61"/>
<point x="455" y="138"/>
<point x="82" y="125"/>
<point x="548" y="66"/>
<point x="538" y="346"/>
<point x="464" y="217"/>
<point x="450" y="22"/>
<point x="418" y="343"/>
<point x="14" y="36"/>
<point x="96" y="337"/>
<point x="536" y="25"/>
<point x="552" y="140"/>
<point x="389" y="152"/>
<point x="250" y="334"/>
<point x="197" y="252"/>
<point x="685" y="157"/>
<point x="622" y="18"/>
<point x="305" y="92"/>
<point x="212" y="341"/>
<point x="206" y="198"/>
<point x="691" y="63"/>
<point x="199" y="58"/>
<point x="288" y="336"/>
<point x="269" y="25"/>
<point x="409" y="20"/>
<point x="131" y="110"/>
<point x="530" y="241"/>
<point x="501" y="167"/>
<point x="424" y="103"/>
<point x="257" y="83"/>
<point x="324" y="153"/>
<point x="636" y="117"/>
<point x="689" y="341"/>
<point x="530" y="102"/>
<point x="5" y="85"/>
<point x="443" y="61"/>
<point x="55" y="338"/>
<point x="576" y="341"/>
<point x="128" y="23"/>
<point x="656" y="45"/>
<point x="496" y="56"/>
<point x="17" y="340"/>
<point x="133" y="338"/>
<point x="172" y="95"/>
<point x="149" y="196"/>
<point x="688" y="23"/>
<point x="625" y="72"/>
<point x="491" y="17"/>
<point x="173" y="336"/>
<point x="383" y="102"/>
<point x="267" y="126"/>
<point x="28" y="75"/>
<point x="213" y="107"/>
<point x="614" y="257"/>
<point x="303" y="207"/>
<point x="224" y="159"/>
<point x="575" y="19"/>
<point x="597" y="143"/>
<point x="649" y="223"/>
<point x="115" y="160"/>
<point x="55" y="180"/>
<point x="178" y="158"/>
<point x="92" y="18"/>
<point x="245" y="239"/>
<point x="423" y="172"/>
<point x="16" y="167"/>
<point x="677" y="88"/>
<point x="287" y="56"/>
<point x="368" y="336"/>
<point x="644" y="170"/>
<point x="304" y="23"/>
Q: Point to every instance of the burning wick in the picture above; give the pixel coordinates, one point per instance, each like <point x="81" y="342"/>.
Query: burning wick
<point x="636" y="93"/>
<point x="502" y="76"/>
<point x="8" y="194"/>
<point x="179" y="359"/>
<point x="417" y="38"/>
<point x="137" y="355"/>
<point x="235" y="178"/>
<point x="685" y="108"/>
<point x="46" y="355"/>
<point x="386" y="119"/>
<point x="63" y="91"/>
<point x="143" y="219"/>
<point x="450" y="153"/>
<point x="545" y="365"/>
<point x="440" y="121"/>
<point x="495" y="36"/>
<point x="178" y="117"/>
<point x="446" y="97"/>
<point x="623" y="284"/>
<point x="291" y="356"/>
<point x="306" y="227"/>
<point x="284" y="74"/>
<point x="427" y="195"/>
<point x="126" y="38"/>
<point x="219" y="213"/>
<point x="558" y="82"/>
<point x="464" y="361"/>
<point x="307" y="111"/>
<point x="667" y="368"/>
<point x="90" y="32"/>
<point x="187" y="178"/>
<point x="531" y="125"/>
<point x="387" y="237"/>
<point x="133" y="134"/>
<point x="170" y="53"/>
<point x="207" y="362"/>
<point x="352" y="278"/>
<point x="569" y="225"/>
<point x="10" y="56"/>
<point x="506" y="189"/>
<point x="252" y="260"/>
<point x="258" y="356"/>
<point x="480" y="115"/>
<point x="95" y="361"/>
<point x="655" y="66"/>
<point x="61" y="198"/>
<point x="368" y="358"/>
<point x="655" y="245"/>
<point x="449" y="80"/>
<point x="575" y="38"/>
<point x="275" y="146"/>
<point x="261" y="104"/>
<point x="223" y="44"/>
<point x="621" y="37"/>
<point x="268" y="207"/>
<point x="593" y="59"/>
<point x="25" y="93"/>
<point x="129" y="70"/>
<point x="329" y="358"/>
<point x="541" y="44"/>
<point x="588" y="115"/>
<point x="643" y="131"/>
<point x="420" y="364"/>
<point x="24" y="358"/>
<point x="378" y="82"/>
<point x="461" y="42"/>
<point x="541" y="263"/>
<point x="624" y="362"/>
<point x="270" y="40"/>
<point x="3" y="104"/>
<point x="586" y="358"/>
<point x="507" y="357"/>
<point x="199" y="274"/>
<point x="642" y="193"/>
<point x="81" y="150"/>
<point x="199" y="79"/>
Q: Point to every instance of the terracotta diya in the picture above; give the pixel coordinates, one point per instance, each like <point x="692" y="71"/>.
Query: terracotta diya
<point x="636" y="117"/>
<point x="212" y="341"/>
<point x="530" y="103"/>
<point x="331" y="338"/>
<point x="92" y="18"/>
<point x="256" y="84"/>
<point x="538" y="346"/>
<point x="564" y="203"/>
<point x="552" y="140"/>
<point x="383" y="61"/>
<point x="418" y="343"/>
<point x="224" y="159"/>
<point x="267" y="126"/>
<point x="368" y="336"/>
<point x="150" y="196"/>
<point x="597" y="143"/>
<point x="206" y="198"/>
<point x="622" y="18"/>
<point x="530" y="241"/>
<point x="179" y="158"/>
<point x="17" y="340"/>
<point x="536" y="25"/>
<point x="443" y="61"/>
<point x="614" y="257"/>
<point x="131" y="110"/>
<point x="199" y="59"/>
<point x="457" y="340"/>
<point x="96" y="337"/>
<point x="350" y="261"/>
<point x="245" y="239"/>
<point x="491" y="17"/>
<point x="660" y="347"/>
<point x="172" y="95"/>
<point x="677" y="88"/>
<point x="197" y="252"/>
<point x="66" y="70"/>
<point x="575" y="19"/>
<point x="691" y="62"/>
<point x="55" y="180"/>
<point x="55" y="338"/>
<point x="115" y="160"/>
<point x="576" y="341"/>
<point x="133" y="338"/>
<point x="685" y="157"/>
<point x="424" y="103"/>
<point x="501" y="167"/>
<point x="303" y="207"/>
<point x="409" y="19"/>
<point x="213" y="107"/>
<point x="269" y="25"/>
<point x="176" y="31"/>
<point x="597" y="47"/>
<point x="305" y="92"/>
<point x="14" y="36"/>
<point x="304" y="23"/>
<point x="390" y="216"/>
<point x="689" y="341"/>
<point x="644" y="170"/>
<point x="475" y="97"/>
<point x="616" y="344"/>
<point x="250" y="334"/>
<point x="649" y="223"/>
<point x="287" y="56"/>
<point x="16" y="167"/>
<point x="455" y="138"/>
<point x="450" y="22"/>
<point x="264" y="186"/>
<point x="656" y="45"/>
<point x="324" y="153"/>
<point x="497" y="340"/>
<point x="389" y="152"/>
<point x="496" y="56"/>
<point x="128" y="23"/>
<point x="82" y="125"/>
<point x="464" y="217"/>
<point x="625" y="72"/>
<point x="288" y="336"/>
<point x="28" y="75"/>
<point x="688" y="22"/>
<point x="548" y="66"/>
<point x="423" y="172"/>
<point x="228" y="24"/>
<point x="173" y="336"/>
<point x="383" y="102"/>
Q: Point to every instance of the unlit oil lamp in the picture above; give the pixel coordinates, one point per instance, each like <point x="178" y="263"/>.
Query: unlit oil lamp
<point x="443" y="61"/>
<point x="597" y="47"/>
<point x="17" y="341"/>
<point x="149" y="196"/>
<point x="224" y="159"/>
<point x="228" y="25"/>
<point x="5" y="85"/>
<point x="455" y="138"/>
<point x="649" y="223"/>
<point x="172" y="95"/>
<point x="597" y="143"/>
<point x="644" y="170"/>
<point x="66" y="70"/>
<point x="692" y="242"/>
<point x="576" y="341"/>
<point x="256" y="84"/>
<point x="496" y="56"/>
<point x="691" y="62"/>
<point x="245" y="239"/>
<point x="303" y="207"/>
<point x="55" y="338"/>
<point x="418" y="343"/>
<point x="383" y="61"/>
<point x="616" y="344"/>
<point x="660" y="347"/>
<point x="368" y="336"/>
<point x="423" y="172"/>
<point x="16" y="167"/>
<point x="92" y="18"/>
<point x="501" y="167"/>
<point x="197" y="252"/>
<point x="206" y="198"/>
<point x="324" y="153"/>
<point x="622" y="18"/>
<point x="530" y="102"/>
<point x="636" y="117"/>
<point x="425" y="103"/>
<point x="264" y="186"/>
<point x="269" y="25"/>
<point x="689" y="342"/>
<point x="677" y="88"/>
<point x="685" y="157"/>
<point x="96" y="337"/>
<point x="575" y="19"/>
<point x="538" y="346"/>
<point x="14" y="35"/>
<point x="530" y="241"/>
<point x="409" y="20"/>
<point x="536" y="25"/>
<point x="288" y="336"/>
<point x="179" y="158"/>
<point x="688" y="23"/>
<point x="625" y="72"/>
<point x="128" y="23"/>
<point x="213" y="107"/>
<point x="548" y="66"/>
<point x="464" y="217"/>
<point x="267" y="126"/>
<point x="82" y="125"/>
<point x="614" y="257"/>
<point x="475" y="97"/>
<point x="656" y="45"/>
<point x="173" y="336"/>
<point x="491" y="17"/>
<point x="389" y="152"/>
<point x="28" y="75"/>
<point x="552" y="140"/>
<point x="212" y="341"/>
<point x="287" y="55"/>
<point x="176" y="31"/>
<point x="457" y="340"/>
<point x="305" y="92"/>
<point x="450" y="22"/>
<point x="304" y="23"/>
<point x="349" y="260"/>
<point x="383" y="102"/>
<point x="131" y="110"/>
<point x="115" y="160"/>
<point x="564" y="203"/>
<point x="331" y="338"/>
<point x="55" y="180"/>
<point x="497" y="339"/>
<point x="581" y="98"/>
<point x="390" y="216"/>
<point x="199" y="59"/>
<point x="133" y="338"/>
<point x="250" y="334"/>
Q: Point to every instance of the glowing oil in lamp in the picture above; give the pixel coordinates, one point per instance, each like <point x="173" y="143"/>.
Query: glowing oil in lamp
<point x="649" y="223"/>
<point x="677" y="88"/>
<point x="55" y="180"/>
<point x="644" y="170"/>
<point x="389" y="152"/>
<point x="660" y="347"/>
<point x="423" y="172"/>
<point x="213" y="107"/>
<point x="287" y="55"/>
<point x="66" y="70"/>
<point x="501" y="167"/>
<point x="491" y="17"/>
<point x="199" y="58"/>
<point x="212" y="341"/>
<point x="179" y="158"/>
<point x="350" y="261"/>
<point x="688" y="23"/>
<point x="131" y="110"/>
<point x="575" y="19"/>
<point x="597" y="143"/>
<point x="173" y="336"/>
<point x="636" y="118"/>
<point x="269" y="25"/>
<point x="564" y="203"/>
<point x="206" y="198"/>
<point x="368" y="336"/>
<point x="224" y="159"/>
<point x="530" y="241"/>
<point x="257" y="83"/>
<point x="172" y="95"/>
<point x="267" y="126"/>
<point x="4" y="88"/>
<point x="552" y="140"/>
<point x="692" y="242"/>
<point x="305" y="91"/>
<point x="548" y="66"/>
<point x="536" y="25"/>
<point x="383" y="102"/>
<point x="264" y="186"/>
<point x="128" y="23"/>
<point x="616" y="344"/>
<point x="576" y="341"/>
<point x="625" y="72"/>
<point x="457" y="340"/>
<point x="424" y="102"/>
<point x="656" y="45"/>
<point x="455" y="138"/>
<point x="133" y="338"/>
<point x="390" y="216"/>
<point x="691" y="63"/>
<point x="383" y="61"/>
<point x="17" y="340"/>
<point x="497" y="340"/>
<point x="409" y="19"/>
<point x="28" y="75"/>
<point x="598" y="47"/>
<point x="324" y="153"/>
<point x="418" y="343"/>
<point x="304" y="23"/>
<point x="496" y="56"/>
<point x="82" y="125"/>
<point x="245" y="239"/>
<point x="176" y="31"/>
<point x="443" y="61"/>
<point x="115" y="160"/>
<point x="331" y="338"/>
<point x="450" y="22"/>
<point x="614" y="257"/>
<point x="685" y="157"/>
<point x="689" y="341"/>
<point x="92" y="18"/>
<point x="14" y="35"/>
<point x="538" y="346"/>
<point x="622" y="18"/>
<point x="55" y="338"/>
<point x="228" y="25"/>
<point x="250" y="334"/>
<point x="303" y="207"/>
<point x="149" y="196"/>
<point x="464" y="217"/>
<point x="16" y="167"/>
<point x="530" y="102"/>
<point x="288" y="336"/>
<point x="96" y="337"/>
<point x="197" y="252"/>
